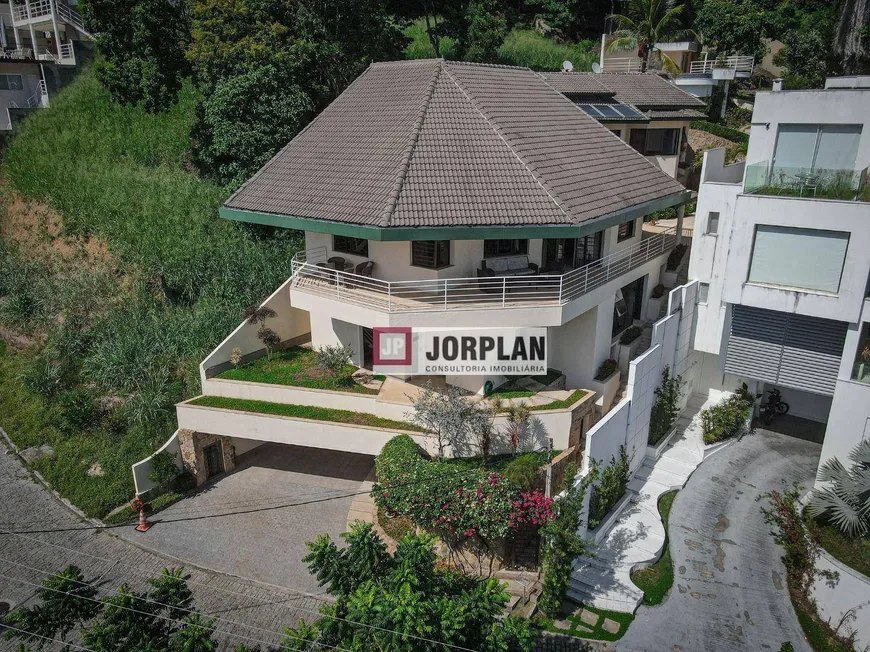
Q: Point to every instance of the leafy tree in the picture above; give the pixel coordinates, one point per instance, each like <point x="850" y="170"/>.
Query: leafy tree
<point x="412" y="602"/>
<point x="804" y="57"/>
<point x="486" y="31"/>
<point x="574" y="19"/>
<point x="66" y="602"/>
<point x="234" y="136"/>
<point x="560" y="545"/>
<point x="143" y="44"/>
<point x="646" y="23"/>
<point x="737" y="27"/>
<point x="443" y="413"/>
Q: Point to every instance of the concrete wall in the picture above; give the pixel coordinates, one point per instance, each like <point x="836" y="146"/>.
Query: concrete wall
<point x="141" y="470"/>
<point x="291" y="324"/>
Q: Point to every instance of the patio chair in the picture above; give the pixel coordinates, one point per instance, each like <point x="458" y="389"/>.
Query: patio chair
<point x="488" y="284"/>
<point x="363" y="269"/>
<point x="337" y="262"/>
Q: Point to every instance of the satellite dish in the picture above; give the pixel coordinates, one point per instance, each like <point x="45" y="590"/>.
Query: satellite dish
<point x="596" y="67"/>
<point x="567" y="66"/>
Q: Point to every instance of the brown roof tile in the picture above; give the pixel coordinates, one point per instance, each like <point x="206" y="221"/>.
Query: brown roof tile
<point x="434" y="143"/>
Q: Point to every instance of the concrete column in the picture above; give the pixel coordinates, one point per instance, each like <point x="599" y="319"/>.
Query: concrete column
<point x="30" y="27"/>
<point x="17" y="38"/>
<point x="680" y="212"/>
<point x="3" y="32"/>
<point x="724" y="99"/>
<point x="54" y="27"/>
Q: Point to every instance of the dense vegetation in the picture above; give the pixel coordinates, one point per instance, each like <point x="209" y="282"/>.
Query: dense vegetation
<point x="116" y="338"/>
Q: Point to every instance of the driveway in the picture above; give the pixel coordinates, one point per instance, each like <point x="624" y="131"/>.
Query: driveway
<point x="255" y="521"/>
<point x="729" y="589"/>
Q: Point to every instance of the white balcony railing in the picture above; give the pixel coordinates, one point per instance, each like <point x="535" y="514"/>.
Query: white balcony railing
<point x="541" y="290"/>
<point x="39" y="99"/>
<point x="623" y="64"/>
<point x="738" y="63"/>
<point x="43" y="8"/>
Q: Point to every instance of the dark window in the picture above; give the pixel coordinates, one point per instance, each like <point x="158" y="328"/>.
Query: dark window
<point x="504" y="247"/>
<point x="655" y="141"/>
<point x="625" y="231"/>
<point x="352" y="246"/>
<point x="713" y="223"/>
<point x="617" y="132"/>
<point x="11" y="83"/>
<point x="589" y="248"/>
<point x="433" y="254"/>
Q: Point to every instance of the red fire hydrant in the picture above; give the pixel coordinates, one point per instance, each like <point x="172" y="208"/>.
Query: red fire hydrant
<point x="139" y="506"/>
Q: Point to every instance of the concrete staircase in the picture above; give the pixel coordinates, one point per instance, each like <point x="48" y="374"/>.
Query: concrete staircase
<point x="603" y="578"/>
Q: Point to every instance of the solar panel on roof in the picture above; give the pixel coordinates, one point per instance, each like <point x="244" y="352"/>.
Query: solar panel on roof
<point x="628" y="111"/>
<point x="590" y="110"/>
<point x="608" y="111"/>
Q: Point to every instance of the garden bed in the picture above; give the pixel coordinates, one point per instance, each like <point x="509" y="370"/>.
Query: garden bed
<point x="657" y="579"/>
<point x="303" y="412"/>
<point x="296" y="367"/>
<point x="853" y="552"/>
<point x="581" y="629"/>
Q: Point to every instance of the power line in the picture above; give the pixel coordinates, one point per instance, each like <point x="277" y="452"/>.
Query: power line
<point x="45" y="638"/>
<point x="167" y="618"/>
<point x="296" y="591"/>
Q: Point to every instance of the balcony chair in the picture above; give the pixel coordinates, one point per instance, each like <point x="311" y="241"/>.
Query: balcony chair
<point x="363" y="269"/>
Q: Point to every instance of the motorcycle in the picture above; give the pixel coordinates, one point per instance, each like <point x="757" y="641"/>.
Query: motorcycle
<point x="775" y="406"/>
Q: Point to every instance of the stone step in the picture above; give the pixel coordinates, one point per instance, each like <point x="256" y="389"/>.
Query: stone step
<point x="684" y="454"/>
<point x="643" y="486"/>
<point x="672" y="464"/>
<point x="614" y="601"/>
<point x="662" y="477"/>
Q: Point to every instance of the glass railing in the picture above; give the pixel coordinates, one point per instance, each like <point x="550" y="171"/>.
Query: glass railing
<point x="819" y="183"/>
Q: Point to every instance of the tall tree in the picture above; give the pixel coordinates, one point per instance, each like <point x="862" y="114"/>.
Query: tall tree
<point x="734" y="27"/>
<point x="646" y="23"/>
<point x="574" y="19"/>
<point x="404" y="602"/>
<point x="143" y="44"/>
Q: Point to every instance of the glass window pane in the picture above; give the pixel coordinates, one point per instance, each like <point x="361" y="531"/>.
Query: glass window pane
<point x="713" y="222"/>
<point x="637" y="139"/>
<point x="838" y="147"/>
<point x="795" y="147"/>
<point x="703" y="291"/>
<point x="16" y="83"/>
<point x="4" y="82"/>
<point x="861" y="370"/>
<point x="798" y="258"/>
<point x="353" y="246"/>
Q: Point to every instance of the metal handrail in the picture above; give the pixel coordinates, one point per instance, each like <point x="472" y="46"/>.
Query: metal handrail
<point x="623" y="64"/>
<point x="472" y="292"/>
<point x="737" y="62"/>
<point x="40" y="8"/>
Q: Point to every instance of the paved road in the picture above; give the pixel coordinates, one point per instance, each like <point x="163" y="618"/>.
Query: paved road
<point x="24" y="505"/>
<point x="239" y="525"/>
<point x="729" y="591"/>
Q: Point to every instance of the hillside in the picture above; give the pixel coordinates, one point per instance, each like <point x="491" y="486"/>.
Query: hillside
<point x="100" y="342"/>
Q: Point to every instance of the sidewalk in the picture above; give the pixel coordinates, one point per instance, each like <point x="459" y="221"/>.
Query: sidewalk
<point x="852" y="591"/>
<point x="603" y="578"/>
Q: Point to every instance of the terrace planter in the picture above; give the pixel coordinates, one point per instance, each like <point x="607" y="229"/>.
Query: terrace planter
<point x="605" y="390"/>
<point x="626" y="353"/>
<point x="669" y="279"/>
<point x="654" y="307"/>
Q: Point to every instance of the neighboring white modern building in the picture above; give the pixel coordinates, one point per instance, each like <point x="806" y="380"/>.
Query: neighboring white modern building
<point x="38" y="41"/>
<point x="782" y="252"/>
<point x="447" y="194"/>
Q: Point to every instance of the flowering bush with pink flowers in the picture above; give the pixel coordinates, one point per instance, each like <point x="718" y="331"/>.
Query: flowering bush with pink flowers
<point x="461" y="502"/>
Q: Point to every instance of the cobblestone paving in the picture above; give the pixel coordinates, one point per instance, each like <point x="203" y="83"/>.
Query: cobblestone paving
<point x="247" y="612"/>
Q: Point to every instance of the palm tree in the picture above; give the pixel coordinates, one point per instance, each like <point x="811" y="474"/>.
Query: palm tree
<point x="646" y="23"/>
<point x="845" y="500"/>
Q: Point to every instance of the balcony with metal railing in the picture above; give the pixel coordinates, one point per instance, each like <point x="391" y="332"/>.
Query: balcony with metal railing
<point x="313" y="275"/>
<point x="764" y="178"/>
<point x="741" y="65"/>
<point x="622" y="64"/>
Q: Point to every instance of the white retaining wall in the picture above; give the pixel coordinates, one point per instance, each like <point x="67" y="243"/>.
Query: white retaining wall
<point x="289" y="323"/>
<point x="141" y="470"/>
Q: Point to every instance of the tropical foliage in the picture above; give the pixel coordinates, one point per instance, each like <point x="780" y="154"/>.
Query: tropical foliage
<point x="666" y="406"/>
<point x="646" y="23"/>
<point x="612" y="481"/>
<point x="726" y="419"/>
<point x="844" y="499"/>
<point x="407" y="601"/>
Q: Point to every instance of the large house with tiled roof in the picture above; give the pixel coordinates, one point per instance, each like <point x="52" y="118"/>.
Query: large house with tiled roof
<point x="446" y="194"/>
<point x="646" y="110"/>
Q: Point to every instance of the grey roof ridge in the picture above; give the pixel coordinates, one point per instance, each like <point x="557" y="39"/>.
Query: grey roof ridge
<point x="408" y="154"/>
<point x="645" y="159"/>
<point x="290" y="142"/>
<point x="510" y="147"/>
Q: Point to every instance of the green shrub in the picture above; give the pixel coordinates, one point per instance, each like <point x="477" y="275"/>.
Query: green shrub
<point x="658" y="291"/>
<point x="665" y="408"/>
<point x="725" y="420"/>
<point x="43" y="376"/>
<point x="607" y="368"/>
<point x="163" y="468"/>
<point x="333" y="359"/>
<point x="76" y="410"/>
<point x="630" y="334"/>
<point x="722" y="131"/>
<point x="611" y="486"/>
<point x="523" y="470"/>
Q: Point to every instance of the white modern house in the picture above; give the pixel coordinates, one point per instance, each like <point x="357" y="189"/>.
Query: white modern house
<point x="446" y="194"/>
<point x="782" y="254"/>
<point x="37" y="53"/>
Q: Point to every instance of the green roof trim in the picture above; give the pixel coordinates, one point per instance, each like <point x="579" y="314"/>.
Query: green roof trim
<point x="402" y="234"/>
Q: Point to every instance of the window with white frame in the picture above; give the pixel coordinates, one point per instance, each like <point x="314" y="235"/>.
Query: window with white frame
<point x="712" y="223"/>
<point x="810" y="259"/>
<point x="816" y="147"/>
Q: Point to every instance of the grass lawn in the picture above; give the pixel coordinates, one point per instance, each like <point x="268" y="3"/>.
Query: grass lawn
<point x="512" y="390"/>
<point x="855" y="553"/>
<point x="598" y="632"/>
<point x="819" y="635"/>
<point x="303" y="412"/>
<point x="655" y="581"/>
<point x="296" y="367"/>
<point x="497" y="462"/>
<point x="561" y="405"/>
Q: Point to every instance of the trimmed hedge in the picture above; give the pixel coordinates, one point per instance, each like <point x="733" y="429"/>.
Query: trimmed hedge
<point x="725" y="420"/>
<point x="728" y="133"/>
